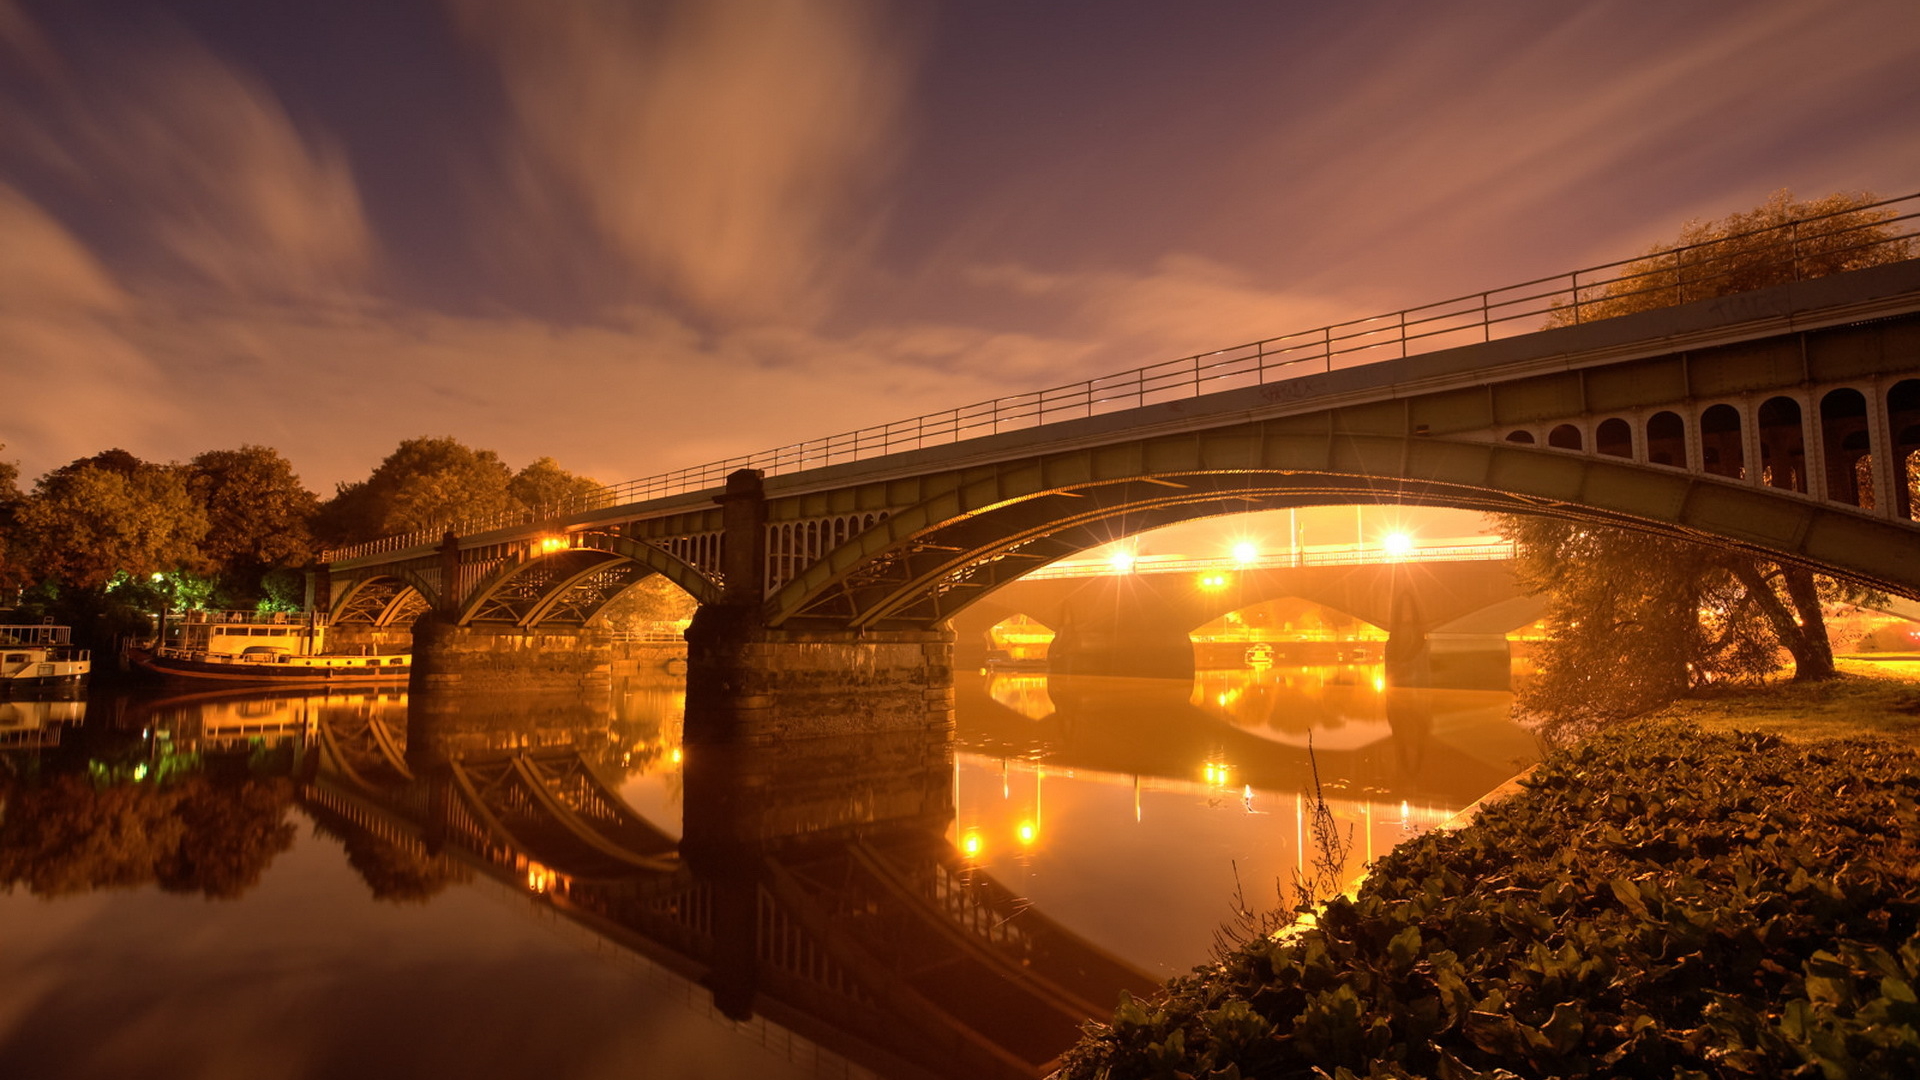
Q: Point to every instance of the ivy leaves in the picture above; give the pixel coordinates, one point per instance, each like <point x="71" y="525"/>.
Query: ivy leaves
<point x="1658" y="902"/>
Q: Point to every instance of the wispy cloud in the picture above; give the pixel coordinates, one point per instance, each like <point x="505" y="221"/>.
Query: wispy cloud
<point x="200" y="171"/>
<point x="731" y="152"/>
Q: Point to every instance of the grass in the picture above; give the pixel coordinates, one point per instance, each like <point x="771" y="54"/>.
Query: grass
<point x="1874" y="699"/>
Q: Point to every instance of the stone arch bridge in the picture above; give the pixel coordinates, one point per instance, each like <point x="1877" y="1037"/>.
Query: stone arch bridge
<point x="1783" y="421"/>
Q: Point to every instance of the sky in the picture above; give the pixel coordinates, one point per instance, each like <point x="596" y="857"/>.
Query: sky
<point x="636" y="236"/>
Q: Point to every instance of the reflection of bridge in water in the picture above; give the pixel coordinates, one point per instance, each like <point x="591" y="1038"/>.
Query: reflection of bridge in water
<point x="814" y="886"/>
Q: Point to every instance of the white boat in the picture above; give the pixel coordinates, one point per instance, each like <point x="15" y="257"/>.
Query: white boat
<point x="244" y="646"/>
<point x="41" y="657"/>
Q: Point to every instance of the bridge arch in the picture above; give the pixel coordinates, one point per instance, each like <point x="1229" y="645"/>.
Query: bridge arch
<point x="571" y="584"/>
<point x="975" y="529"/>
<point x="395" y="595"/>
<point x="1903" y="434"/>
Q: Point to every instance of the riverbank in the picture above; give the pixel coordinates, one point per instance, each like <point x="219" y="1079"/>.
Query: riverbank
<point x="1674" y="897"/>
<point x="1877" y="698"/>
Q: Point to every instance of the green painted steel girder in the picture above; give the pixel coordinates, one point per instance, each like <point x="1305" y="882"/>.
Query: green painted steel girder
<point x="967" y="516"/>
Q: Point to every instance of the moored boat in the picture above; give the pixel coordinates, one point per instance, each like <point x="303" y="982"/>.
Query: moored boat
<point x="277" y="648"/>
<point x="41" y="657"/>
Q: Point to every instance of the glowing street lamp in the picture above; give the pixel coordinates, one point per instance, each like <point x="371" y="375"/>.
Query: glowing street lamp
<point x="1121" y="562"/>
<point x="1245" y="552"/>
<point x="550" y="544"/>
<point x="1397" y="544"/>
<point x="970" y="844"/>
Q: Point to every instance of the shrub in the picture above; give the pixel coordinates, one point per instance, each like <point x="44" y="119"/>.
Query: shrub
<point x="1659" y="901"/>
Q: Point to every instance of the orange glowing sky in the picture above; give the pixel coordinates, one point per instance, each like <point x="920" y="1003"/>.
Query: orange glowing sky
<point x="637" y="236"/>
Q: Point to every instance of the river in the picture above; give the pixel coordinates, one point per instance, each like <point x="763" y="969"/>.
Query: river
<point x="258" y="885"/>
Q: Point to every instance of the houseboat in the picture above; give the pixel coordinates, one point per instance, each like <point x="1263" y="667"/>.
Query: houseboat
<point x="278" y="648"/>
<point x="42" y="657"/>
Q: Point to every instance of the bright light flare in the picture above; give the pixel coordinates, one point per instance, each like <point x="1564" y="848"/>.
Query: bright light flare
<point x="1397" y="544"/>
<point x="1246" y="551"/>
<point x="971" y="844"/>
<point x="1121" y="562"/>
<point x="1213" y="582"/>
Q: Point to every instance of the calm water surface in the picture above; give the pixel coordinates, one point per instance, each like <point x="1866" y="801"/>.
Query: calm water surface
<point x="261" y="886"/>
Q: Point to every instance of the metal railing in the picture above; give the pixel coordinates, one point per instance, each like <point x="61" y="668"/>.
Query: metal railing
<point x="1796" y="250"/>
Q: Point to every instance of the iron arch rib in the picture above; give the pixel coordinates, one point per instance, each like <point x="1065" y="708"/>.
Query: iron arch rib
<point x="929" y="560"/>
<point x="572" y="584"/>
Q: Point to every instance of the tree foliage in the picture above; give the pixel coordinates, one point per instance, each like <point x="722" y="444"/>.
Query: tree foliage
<point x="1779" y="241"/>
<point x="653" y="605"/>
<point x="1635" y="620"/>
<point x="426" y="484"/>
<point x="95" y="519"/>
<point x="13" y="566"/>
<point x="544" y="485"/>
<point x="68" y="834"/>
<point x="259" y="515"/>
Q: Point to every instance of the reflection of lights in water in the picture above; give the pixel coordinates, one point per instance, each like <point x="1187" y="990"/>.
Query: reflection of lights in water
<point x="539" y="878"/>
<point x="1380" y="684"/>
<point x="1081" y="827"/>
<point x="1024" y="694"/>
<point x="140" y="771"/>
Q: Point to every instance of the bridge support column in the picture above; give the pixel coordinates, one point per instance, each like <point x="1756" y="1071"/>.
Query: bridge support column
<point x="1470" y="662"/>
<point x="1113" y="628"/>
<point x="748" y="682"/>
<point x="508" y="659"/>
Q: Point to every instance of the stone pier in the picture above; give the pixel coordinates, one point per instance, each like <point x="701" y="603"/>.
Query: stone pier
<point x="746" y="682"/>
<point x="508" y="659"/>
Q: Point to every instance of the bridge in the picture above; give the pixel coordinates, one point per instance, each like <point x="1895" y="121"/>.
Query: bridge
<point x="1139" y="623"/>
<point x="1782" y="421"/>
<point x="816" y="891"/>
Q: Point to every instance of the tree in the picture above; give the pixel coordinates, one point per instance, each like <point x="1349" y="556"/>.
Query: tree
<point x="98" y="518"/>
<point x="653" y="605"/>
<point x="259" y="515"/>
<point x="1779" y="241"/>
<point x="544" y="485"/>
<point x="13" y="568"/>
<point x="1633" y="620"/>
<point x="435" y="484"/>
<point x="424" y="485"/>
<point x="1636" y="620"/>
